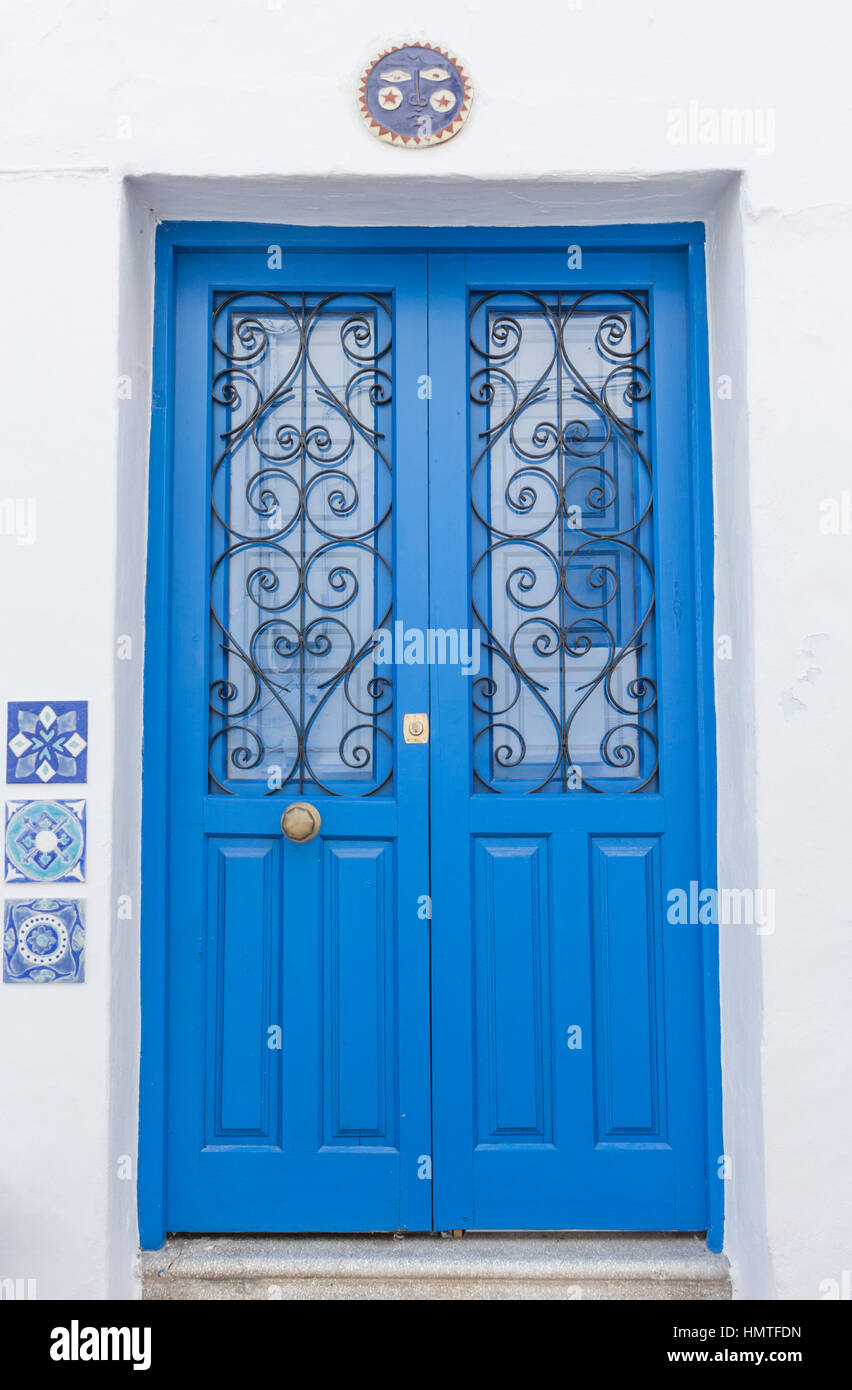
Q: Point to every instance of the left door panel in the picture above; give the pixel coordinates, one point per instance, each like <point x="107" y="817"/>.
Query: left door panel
<point x="298" y="973"/>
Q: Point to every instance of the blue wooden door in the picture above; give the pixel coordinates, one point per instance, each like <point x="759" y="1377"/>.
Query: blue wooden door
<point x="568" y="1083"/>
<point x="298" y="1088"/>
<point x="460" y="1003"/>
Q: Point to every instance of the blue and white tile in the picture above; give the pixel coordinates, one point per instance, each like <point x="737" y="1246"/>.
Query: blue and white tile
<point x="44" y="941"/>
<point x="45" y="841"/>
<point x="47" y="741"/>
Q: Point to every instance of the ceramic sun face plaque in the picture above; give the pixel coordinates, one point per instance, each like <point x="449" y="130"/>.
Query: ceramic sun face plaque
<point x="416" y="95"/>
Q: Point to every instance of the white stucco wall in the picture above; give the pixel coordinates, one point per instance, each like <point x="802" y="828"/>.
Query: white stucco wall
<point x="114" y="115"/>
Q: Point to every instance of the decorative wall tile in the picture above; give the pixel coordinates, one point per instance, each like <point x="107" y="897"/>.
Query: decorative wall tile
<point x="45" y="940"/>
<point x="45" y="841"/>
<point x="47" y="742"/>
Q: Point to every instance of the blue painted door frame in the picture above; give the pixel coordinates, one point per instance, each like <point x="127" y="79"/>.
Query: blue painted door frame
<point x="570" y="866"/>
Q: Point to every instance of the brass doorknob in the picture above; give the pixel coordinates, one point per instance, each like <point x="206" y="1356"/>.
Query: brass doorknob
<point x="301" y="821"/>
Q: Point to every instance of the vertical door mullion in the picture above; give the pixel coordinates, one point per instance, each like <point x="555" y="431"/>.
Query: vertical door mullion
<point x="453" y="1111"/>
<point x="411" y="695"/>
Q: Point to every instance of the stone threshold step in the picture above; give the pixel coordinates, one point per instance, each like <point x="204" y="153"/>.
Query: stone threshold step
<point x="507" y="1265"/>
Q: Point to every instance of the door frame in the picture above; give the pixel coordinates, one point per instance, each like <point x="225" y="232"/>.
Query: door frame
<point x="176" y="238"/>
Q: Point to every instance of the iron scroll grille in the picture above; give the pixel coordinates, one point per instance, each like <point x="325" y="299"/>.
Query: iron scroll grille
<point x="562" y="580"/>
<point x="300" y="513"/>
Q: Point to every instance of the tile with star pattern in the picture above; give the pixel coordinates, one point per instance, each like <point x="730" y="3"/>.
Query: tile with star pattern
<point x="47" y="741"/>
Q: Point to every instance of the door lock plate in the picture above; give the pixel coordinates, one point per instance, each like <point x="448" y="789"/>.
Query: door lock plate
<point x="415" y="728"/>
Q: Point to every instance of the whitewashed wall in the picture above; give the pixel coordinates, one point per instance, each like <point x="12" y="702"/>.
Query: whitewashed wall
<point x="114" y="115"/>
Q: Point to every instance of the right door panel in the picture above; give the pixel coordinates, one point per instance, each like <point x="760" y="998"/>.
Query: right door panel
<point x="568" y="1052"/>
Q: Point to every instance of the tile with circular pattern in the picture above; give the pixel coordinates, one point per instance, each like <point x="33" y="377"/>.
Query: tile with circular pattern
<point x="44" y="942"/>
<point x="45" y="841"/>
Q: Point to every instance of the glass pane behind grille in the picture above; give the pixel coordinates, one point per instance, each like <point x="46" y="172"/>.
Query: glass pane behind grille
<point x="562" y="543"/>
<point x="301" y="495"/>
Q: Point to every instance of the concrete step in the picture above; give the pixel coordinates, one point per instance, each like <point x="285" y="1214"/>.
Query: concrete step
<point x="525" y="1265"/>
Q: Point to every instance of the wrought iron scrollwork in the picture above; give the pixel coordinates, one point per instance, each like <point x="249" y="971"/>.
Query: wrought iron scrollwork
<point x="300" y="574"/>
<point x="562" y="565"/>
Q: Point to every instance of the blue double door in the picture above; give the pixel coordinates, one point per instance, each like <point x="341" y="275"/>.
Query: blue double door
<point x="433" y="746"/>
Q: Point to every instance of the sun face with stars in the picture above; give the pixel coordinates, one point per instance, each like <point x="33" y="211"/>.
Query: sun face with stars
<point x="415" y="95"/>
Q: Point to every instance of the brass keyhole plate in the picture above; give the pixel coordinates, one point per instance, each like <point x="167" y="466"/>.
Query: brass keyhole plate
<point x="415" y="728"/>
